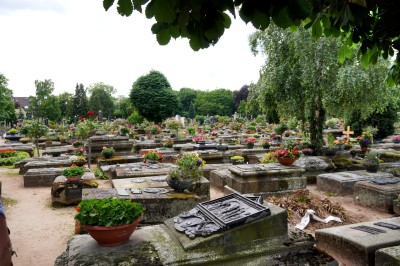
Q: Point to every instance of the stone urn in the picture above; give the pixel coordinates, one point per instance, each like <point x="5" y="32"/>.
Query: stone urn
<point x="286" y="160"/>
<point x="110" y="236"/>
<point x="179" y="185"/>
<point x="371" y="168"/>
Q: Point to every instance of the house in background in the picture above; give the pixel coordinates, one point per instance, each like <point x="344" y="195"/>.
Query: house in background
<point x="21" y="107"/>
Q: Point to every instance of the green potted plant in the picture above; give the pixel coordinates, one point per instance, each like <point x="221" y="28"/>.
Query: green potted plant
<point x="371" y="162"/>
<point x="73" y="173"/>
<point x="266" y="143"/>
<point x="110" y="221"/>
<point x="188" y="171"/>
<point x="152" y="156"/>
<point x="169" y="143"/>
<point x="237" y="159"/>
<point x="288" y="152"/>
<point x="79" y="160"/>
<point x="24" y="140"/>
<point x="107" y="152"/>
<point x="12" y="131"/>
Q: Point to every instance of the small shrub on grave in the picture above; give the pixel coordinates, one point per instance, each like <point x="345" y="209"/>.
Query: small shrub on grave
<point x="99" y="174"/>
<point x="19" y="156"/>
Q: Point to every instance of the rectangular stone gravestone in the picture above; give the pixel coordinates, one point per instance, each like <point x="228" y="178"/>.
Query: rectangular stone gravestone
<point x="142" y="169"/>
<point x="342" y="183"/>
<point x="41" y="177"/>
<point x="264" y="179"/>
<point x="44" y="164"/>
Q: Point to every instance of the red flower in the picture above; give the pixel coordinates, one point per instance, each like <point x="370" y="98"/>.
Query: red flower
<point x="77" y="208"/>
<point x="90" y="113"/>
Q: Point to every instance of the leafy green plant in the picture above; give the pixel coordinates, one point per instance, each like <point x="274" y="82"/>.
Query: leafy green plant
<point x="99" y="174"/>
<point x="107" y="152"/>
<point x="152" y="155"/>
<point x="281" y="128"/>
<point x="73" y="170"/>
<point x="12" y="131"/>
<point x="268" y="157"/>
<point x="108" y="212"/>
<point x="189" y="166"/>
<point x="18" y="156"/>
<point x="371" y="158"/>
<point x="238" y="159"/>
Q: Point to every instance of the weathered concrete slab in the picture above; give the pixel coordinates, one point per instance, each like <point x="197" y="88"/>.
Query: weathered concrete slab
<point x="141" y="169"/>
<point x="355" y="247"/>
<point x="41" y="177"/>
<point x="208" y="168"/>
<point x="215" y="157"/>
<point x="57" y="151"/>
<point x="121" y="144"/>
<point x="342" y="183"/>
<point x="159" y="245"/>
<point x="123" y="159"/>
<point x="265" y="179"/>
<point x="315" y="165"/>
<point x="159" y="207"/>
<point x="44" y="164"/>
<point x="387" y="256"/>
<point x="218" y="178"/>
<point x="375" y="196"/>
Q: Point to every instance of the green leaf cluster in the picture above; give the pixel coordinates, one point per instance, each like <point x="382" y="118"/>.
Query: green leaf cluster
<point x="7" y="109"/>
<point x="18" y="156"/>
<point x="108" y="212"/>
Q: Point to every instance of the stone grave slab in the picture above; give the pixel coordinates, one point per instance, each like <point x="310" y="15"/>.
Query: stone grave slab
<point x="41" y="159"/>
<point x="159" y="206"/>
<point x="121" y="144"/>
<point x="41" y="177"/>
<point x="142" y="169"/>
<point x="266" y="241"/>
<point x="122" y="159"/>
<point x="342" y="183"/>
<point x="387" y="256"/>
<point x="377" y="196"/>
<point x="392" y="168"/>
<point x="206" y="146"/>
<point x="201" y="189"/>
<point x="247" y="152"/>
<point x="215" y="157"/>
<point x="44" y="164"/>
<point x="56" y="152"/>
<point x="264" y="179"/>
<point x="356" y="247"/>
<point x="218" y="178"/>
<point x="315" y="165"/>
<point x="64" y="193"/>
<point x="208" y="168"/>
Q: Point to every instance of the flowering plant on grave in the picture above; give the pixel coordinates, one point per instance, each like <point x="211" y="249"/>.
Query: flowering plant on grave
<point x="237" y="159"/>
<point x="78" y="151"/>
<point x="340" y="140"/>
<point x="79" y="159"/>
<point x="288" y="149"/>
<point x="251" y="141"/>
<point x="395" y="138"/>
<point x="188" y="167"/>
<point x="364" y="140"/>
<point x="197" y="138"/>
<point x="8" y="152"/>
<point x="107" y="151"/>
<point x="108" y="211"/>
<point x="152" y="155"/>
<point x="371" y="158"/>
<point x="214" y="133"/>
<point x="73" y="170"/>
<point x="168" y="143"/>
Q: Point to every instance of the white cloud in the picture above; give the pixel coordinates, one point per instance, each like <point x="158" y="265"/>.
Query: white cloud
<point x="85" y="44"/>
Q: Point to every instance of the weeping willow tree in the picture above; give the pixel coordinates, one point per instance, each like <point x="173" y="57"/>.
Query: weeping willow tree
<point x="302" y="78"/>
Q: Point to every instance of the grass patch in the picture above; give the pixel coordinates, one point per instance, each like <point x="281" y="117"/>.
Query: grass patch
<point x="331" y="194"/>
<point x="9" y="202"/>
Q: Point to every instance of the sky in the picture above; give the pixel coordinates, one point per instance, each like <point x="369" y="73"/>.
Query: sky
<point x="77" y="41"/>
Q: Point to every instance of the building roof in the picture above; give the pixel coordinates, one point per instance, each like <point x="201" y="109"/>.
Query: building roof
<point x="21" y="101"/>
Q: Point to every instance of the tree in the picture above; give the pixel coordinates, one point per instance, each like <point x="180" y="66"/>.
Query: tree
<point x="123" y="108"/>
<point x="101" y="99"/>
<point x="185" y="97"/>
<point x="50" y="108"/>
<point x="192" y="111"/>
<point x="215" y="102"/>
<point x="42" y="105"/>
<point x="302" y="78"/>
<point x="81" y="105"/>
<point x="66" y="103"/>
<point x="35" y="130"/>
<point x="7" y="109"/>
<point x="153" y="97"/>
<point x="373" y="24"/>
<point x="241" y="95"/>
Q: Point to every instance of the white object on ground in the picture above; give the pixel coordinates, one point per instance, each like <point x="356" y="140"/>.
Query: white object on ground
<point x="311" y="213"/>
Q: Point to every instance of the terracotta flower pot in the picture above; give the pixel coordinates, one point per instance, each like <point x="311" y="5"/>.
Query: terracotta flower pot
<point x="110" y="236"/>
<point x="73" y="178"/>
<point x="286" y="160"/>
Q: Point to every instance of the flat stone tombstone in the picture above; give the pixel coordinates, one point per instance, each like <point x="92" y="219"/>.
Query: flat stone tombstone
<point x="315" y="164"/>
<point x="265" y="179"/>
<point x="42" y="177"/>
<point x="142" y="169"/>
<point x="377" y="196"/>
<point x="160" y="205"/>
<point x="56" y="152"/>
<point x="44" y="164"/>
<point x="387" y="256"/>
<point x="356" y="244"/>
<point x="342" y="183"/>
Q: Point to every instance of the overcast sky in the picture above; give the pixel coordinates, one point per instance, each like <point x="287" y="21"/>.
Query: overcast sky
<point x="76" y="41"/>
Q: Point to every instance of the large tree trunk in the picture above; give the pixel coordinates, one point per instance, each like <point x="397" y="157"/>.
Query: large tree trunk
<point x="316" y="125"/>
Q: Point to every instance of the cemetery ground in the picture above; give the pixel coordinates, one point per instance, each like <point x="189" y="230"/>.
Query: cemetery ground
<point x="40" y="232"/>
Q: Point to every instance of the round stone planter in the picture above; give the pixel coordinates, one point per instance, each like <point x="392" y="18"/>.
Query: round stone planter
<point x="73" y="178"/>
<point x="371" y="168"/>
<point x="179" y="185"/>
<point x="286" y="161"/>
<point x="110" y="236"/>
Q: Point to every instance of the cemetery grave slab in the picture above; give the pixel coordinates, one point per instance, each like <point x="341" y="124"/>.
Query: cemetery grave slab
<point x="122" y="159"/>
<point x="265" y="179"/>
<point x="387" y="256"/>
<point x="355" y="247"/>
<point x="218" y="178"/>
<point x="266" y="241"/>
<point x="342" y="183"/>
<point x="215" y="157"/>
<point x="142" y="169"/>
<point x="44" y="164"/>
<point x="314" y="165"/>
<point x="56" y="152"/>
<point x="20" y="164"/>
<point x="159" y="206"/>
<point x="41" y="177"/>
<point x="377" y="196"/>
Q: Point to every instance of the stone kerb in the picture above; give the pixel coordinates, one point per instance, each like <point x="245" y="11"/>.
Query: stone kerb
<point x="376" y="196"/>
<point x="342" y="183"/>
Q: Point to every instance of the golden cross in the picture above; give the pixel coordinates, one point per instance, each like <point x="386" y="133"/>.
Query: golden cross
<point x="348" y="133"/>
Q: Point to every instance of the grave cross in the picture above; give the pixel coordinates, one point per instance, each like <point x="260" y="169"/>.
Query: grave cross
<point x="348" y="133"/>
